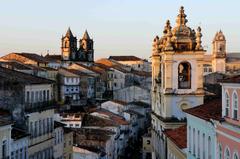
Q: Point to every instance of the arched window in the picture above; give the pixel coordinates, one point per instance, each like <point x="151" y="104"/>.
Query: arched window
<point x="227" y="105"/>
<point x="235" y="106"/>
<point x="235" y="156"/>
<point x="220" y="152"/>
<point x="227" y="154"/>
<point x="184" y="75"/>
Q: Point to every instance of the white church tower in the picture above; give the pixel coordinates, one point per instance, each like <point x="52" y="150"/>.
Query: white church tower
<point x="219" y="53"/>
<point x="177" y="76"/>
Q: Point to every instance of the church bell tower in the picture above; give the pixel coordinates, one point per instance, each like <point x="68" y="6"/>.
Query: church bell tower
<point x="69" y="46"/>
<point x="219" y="53"/>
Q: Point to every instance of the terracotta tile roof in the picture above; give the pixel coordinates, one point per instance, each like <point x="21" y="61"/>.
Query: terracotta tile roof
<point x="93" y="69"/>
<point x="91" y="120"/>
<point x="111" y="64"/>
<point x="53" y="57"/>
<point x="34" y="57"/>
<point x="114" y="117"/>
<point x="14" y="65"/>
<point x="178" y="136"/>
<point x="234" y="79"/>
<point x="77" y="72"/>
<point x="209" y="110"/>
<point x="87" y="135"/>
<point x="119" y="102"/>
<point x="125" y="58"/>
<point x="11" y="75"/>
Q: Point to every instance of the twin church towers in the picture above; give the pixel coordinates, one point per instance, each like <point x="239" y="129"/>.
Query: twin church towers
<point x="70" y="51"/>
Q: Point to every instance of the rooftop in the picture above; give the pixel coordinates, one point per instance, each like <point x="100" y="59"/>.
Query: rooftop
<point x="125" y="58"/>
<point x="15" y="76"/>
<point x="58" y="124"/>
<point x="34" y="57"/>
<point x="91" y="120"/>
<point x="178" y="136"/>
<point x="119" y="102"/>
<point x="5" y="122"/>
<point x="209" y="110"/>
<point x="140" y="103"/>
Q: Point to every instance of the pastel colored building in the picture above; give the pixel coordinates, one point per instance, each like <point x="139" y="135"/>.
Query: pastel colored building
<point x="201" y="134"/>
<point x="228" y="129"/>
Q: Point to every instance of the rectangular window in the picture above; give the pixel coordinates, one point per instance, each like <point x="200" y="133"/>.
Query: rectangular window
<point x="40" y="127"/>
<point x="36" y="131"/>
<point x="28" y="97"/>
<point x="48" y="95"/>
<point x="4" y="148"/>
<point x="44" y="95"/>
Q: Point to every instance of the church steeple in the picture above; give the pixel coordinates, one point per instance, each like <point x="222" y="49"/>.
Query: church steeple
<point x="69" y="46"/>
<point x="86" y="36"/>
<point x="69" y="33"/>
<point x="86" y="47"/>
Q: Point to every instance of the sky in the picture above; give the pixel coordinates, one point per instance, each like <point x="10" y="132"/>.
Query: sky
<point x="118" y="27"/>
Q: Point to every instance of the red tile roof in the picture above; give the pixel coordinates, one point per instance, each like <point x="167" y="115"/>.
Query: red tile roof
<point x="116" y="118"/>
<point x="178" y="136"/>
<point x="11" y="75"/>
<point x="125" y="58"/>
<point x="208" y="110"/>
<point x="34" y="57"/>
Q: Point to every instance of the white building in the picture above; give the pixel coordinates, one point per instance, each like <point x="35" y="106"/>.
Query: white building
<point x="115" y="106"/>
<point x="19" y="144"/>
<point x="58" y="140"/>
<point x="69" y="85"/>
<point x="5" y="139"/>
<point x="133" y="93"/>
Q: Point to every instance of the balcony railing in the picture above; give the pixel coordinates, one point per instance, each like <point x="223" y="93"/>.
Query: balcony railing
<point x="40" y="106"/>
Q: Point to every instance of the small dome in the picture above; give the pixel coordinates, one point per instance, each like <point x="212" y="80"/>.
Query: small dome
<point x="219" y="36"/>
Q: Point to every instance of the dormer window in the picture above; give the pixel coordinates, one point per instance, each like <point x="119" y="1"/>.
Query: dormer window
<point x="235" y="106"/>
<point x="184" y="75"/>
<point x="227" y="105"/>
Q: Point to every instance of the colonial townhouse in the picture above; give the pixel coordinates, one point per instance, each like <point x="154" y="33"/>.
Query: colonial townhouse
<point x="121" y="131"/>
<point x="31" y="103"/>
<point x="228" y="128"/>
<point x="98" y="74"/>
<point x="201" y="134"/>
<point x="119" y="74"/>
<point x="69" y="86"/>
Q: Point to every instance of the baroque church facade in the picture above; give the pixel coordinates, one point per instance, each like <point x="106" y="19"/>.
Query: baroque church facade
<point x="177" y="78"/>
<point x="70" y="50"/>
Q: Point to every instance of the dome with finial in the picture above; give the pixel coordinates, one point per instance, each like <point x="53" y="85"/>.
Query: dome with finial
<point x="181" y="37"/>
<point x="219" y="36"/>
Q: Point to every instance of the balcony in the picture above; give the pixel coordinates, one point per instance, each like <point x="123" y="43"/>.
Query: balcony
<point x="40" y="106"/>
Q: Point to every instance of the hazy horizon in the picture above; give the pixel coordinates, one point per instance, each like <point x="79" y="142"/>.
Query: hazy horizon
<point x="118" y="27"/>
